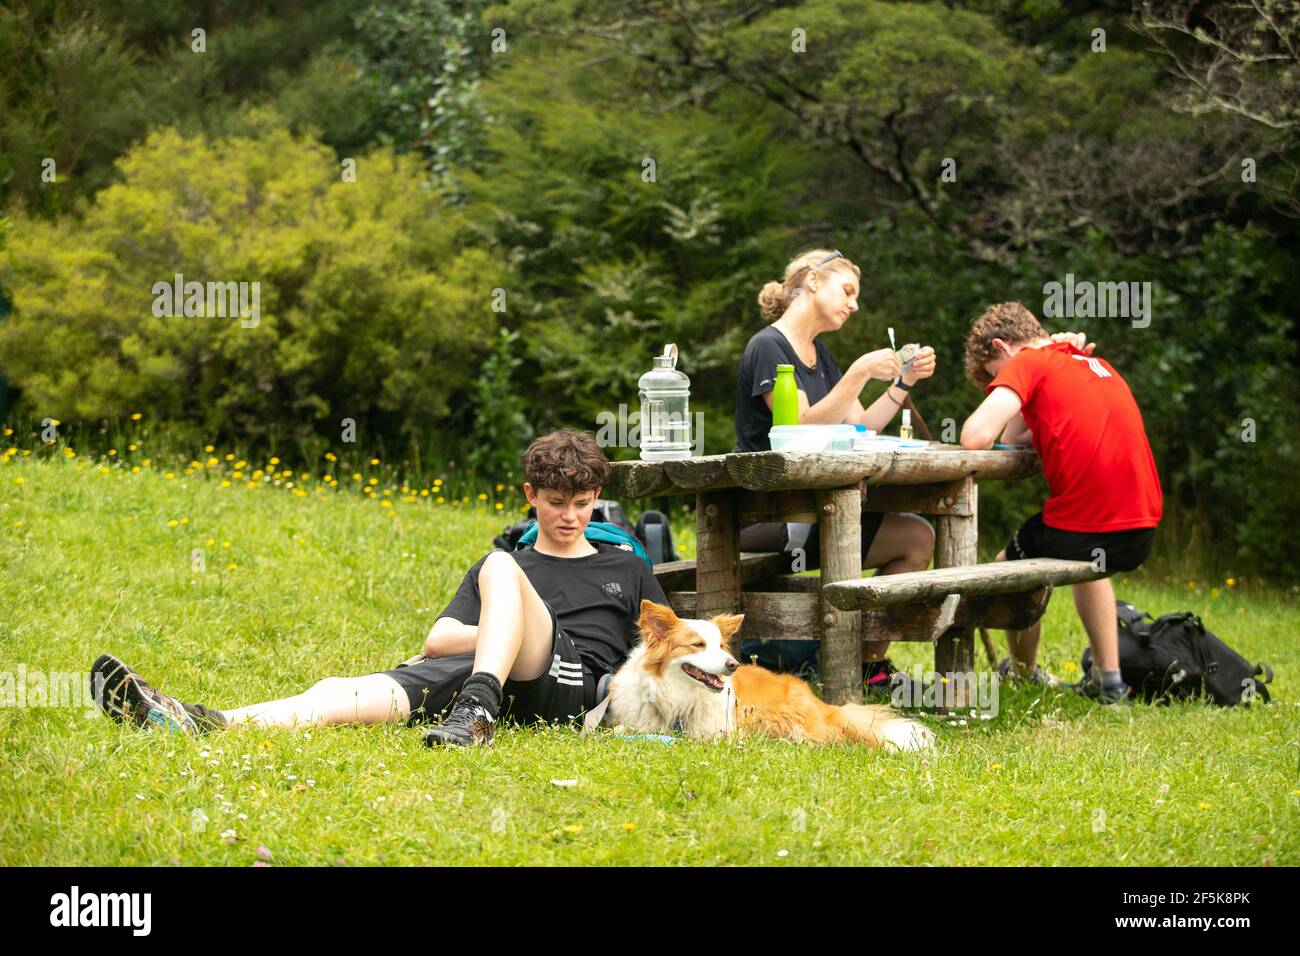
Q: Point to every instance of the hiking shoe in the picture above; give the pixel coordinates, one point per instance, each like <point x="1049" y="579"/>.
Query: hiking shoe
<point x="1103" y="694"/>
<point x="125" y="695"/>
<point x="1007" y="672"/>
<point x="469" y="724"/>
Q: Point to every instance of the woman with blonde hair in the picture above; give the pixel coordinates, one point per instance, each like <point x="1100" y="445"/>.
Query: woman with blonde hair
<point x="819" y="293"/>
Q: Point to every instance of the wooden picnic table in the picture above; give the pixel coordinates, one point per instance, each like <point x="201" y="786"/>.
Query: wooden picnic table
<point x="831" y="490"/>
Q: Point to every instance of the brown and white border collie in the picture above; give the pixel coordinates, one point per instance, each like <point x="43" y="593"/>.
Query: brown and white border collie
<point x="682" y="676"/>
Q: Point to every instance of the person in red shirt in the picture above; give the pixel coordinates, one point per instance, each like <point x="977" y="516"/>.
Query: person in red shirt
<point x="1105" y="500"/>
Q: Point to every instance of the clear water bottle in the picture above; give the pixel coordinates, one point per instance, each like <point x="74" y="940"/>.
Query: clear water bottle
<point x="665" y="409"/>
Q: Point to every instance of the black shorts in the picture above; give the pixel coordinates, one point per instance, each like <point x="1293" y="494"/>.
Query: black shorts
<point x="775" y="536"/>
<point x="1120" y="550"/>
<point x="563" y="693"/>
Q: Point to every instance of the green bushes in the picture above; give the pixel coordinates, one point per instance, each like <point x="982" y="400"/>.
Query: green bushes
<point x="371" y="309"/>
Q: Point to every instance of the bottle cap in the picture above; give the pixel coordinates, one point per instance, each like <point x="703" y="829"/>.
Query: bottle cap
<point x="785" y="368"/>
<point x="669" y="357"/>
<point x="907" y="416"/>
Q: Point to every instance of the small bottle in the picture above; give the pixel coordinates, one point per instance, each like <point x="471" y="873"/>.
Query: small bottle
<point x="785" y="397"/>
<point x="905" y="430"/>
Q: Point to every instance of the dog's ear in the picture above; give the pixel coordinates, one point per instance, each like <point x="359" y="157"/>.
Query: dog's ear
<point x="727" y="625"/>
<point x="656" y="621"/>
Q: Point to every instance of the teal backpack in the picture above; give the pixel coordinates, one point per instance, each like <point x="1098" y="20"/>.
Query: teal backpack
<point x="601" y="531"/>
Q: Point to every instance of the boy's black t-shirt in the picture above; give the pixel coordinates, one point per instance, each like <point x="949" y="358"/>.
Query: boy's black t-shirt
<point x="596" y="599"/>
<point x="766" y="350"/>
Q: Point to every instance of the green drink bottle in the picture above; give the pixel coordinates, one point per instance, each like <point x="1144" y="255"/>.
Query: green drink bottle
<point x="785" y="397"/>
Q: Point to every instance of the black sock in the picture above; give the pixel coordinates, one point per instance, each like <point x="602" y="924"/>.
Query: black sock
<point x="483" y="688"/>
<point x="208" y="718"/>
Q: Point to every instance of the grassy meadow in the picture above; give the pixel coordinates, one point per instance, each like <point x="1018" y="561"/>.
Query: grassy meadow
<point x="228" y="585"/>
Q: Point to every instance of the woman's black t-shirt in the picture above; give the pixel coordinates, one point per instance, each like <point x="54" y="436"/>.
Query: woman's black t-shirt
<point x="765" y="351"/>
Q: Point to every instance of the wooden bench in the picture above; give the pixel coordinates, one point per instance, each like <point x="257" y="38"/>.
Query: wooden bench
<point x="997" y="577"/>
<point x="1007" y="595"/>
<point x="919" y="606"/>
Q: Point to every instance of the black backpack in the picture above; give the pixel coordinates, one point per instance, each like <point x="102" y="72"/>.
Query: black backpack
<point x="651" y="529"/>
<point x="1174" y="656"/>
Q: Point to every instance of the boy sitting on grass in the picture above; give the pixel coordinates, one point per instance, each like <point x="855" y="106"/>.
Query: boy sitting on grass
<point x="531" y="631"/>
<point x="1105" y="499"/>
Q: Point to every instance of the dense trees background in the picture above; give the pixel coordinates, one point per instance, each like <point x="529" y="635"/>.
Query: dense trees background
<point x="546" y="191"/>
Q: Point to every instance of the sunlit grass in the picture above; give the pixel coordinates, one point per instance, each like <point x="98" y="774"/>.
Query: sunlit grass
<point x="288" y="588"/>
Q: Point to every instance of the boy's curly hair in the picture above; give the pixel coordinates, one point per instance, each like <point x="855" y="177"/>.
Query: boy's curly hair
<point x="1009" y="321"/>
<point x="568" y="461"/>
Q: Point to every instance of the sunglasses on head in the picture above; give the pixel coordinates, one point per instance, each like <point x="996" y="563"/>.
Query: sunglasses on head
<point x="834" y="255"/>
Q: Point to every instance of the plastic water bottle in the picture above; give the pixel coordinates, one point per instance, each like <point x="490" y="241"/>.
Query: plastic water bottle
<point x="665" y="409"/>
<point x="785" y="397"/>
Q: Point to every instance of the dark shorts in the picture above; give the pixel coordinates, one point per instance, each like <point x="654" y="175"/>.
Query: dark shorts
<point x="563" y="693"/>
<point x="794" y="656"/>
<point x="1120" y="550"/>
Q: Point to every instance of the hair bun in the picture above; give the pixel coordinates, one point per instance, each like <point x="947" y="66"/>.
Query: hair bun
<point x="771" y="300"/>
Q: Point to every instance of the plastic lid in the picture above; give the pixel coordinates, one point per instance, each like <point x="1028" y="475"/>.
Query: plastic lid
<point x="669" y="357"/>
<point x="785" y="368"/>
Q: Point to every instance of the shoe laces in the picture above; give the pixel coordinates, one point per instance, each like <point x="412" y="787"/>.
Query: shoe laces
<point x="465" y="715"/>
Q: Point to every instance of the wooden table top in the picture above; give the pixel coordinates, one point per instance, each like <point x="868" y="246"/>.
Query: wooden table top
<point x="789" y="471"/>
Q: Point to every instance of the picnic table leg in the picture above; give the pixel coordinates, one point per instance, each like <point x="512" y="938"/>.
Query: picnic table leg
<point x="956" y="545"/>
<point x="717" y="557"/>
<point x="839" y="514"/>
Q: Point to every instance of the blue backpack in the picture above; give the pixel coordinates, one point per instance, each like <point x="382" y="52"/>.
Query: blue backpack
<point x="601" y="531"/>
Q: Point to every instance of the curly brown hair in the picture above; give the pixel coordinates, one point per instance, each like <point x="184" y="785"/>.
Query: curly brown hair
<point x="1009" y="321"/>
<point x="568" y="461"/>
<point x="775" y="297"/>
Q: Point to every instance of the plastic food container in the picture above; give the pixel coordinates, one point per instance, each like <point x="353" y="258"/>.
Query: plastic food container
<point x="823" y="438"/>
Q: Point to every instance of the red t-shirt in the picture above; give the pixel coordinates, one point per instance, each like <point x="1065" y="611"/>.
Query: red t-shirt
<point x="1089" y="435"/>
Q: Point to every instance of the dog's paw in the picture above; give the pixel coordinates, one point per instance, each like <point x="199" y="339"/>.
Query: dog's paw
<point x="907" y="736"/>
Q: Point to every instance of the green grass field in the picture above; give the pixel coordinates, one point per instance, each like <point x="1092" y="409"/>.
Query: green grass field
<point x="302" y="583"/>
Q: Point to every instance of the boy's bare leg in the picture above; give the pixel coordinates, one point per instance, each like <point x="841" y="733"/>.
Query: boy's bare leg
<point x="373" y="699"/>
<point x="514" y="640"/>
<point x="127" y="697"/>
<point x="514" y="626"/>
<point x="1095" y="602"/>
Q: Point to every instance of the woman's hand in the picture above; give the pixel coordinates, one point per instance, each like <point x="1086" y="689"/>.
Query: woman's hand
<point x="881" y="364"/>
<point x="1077" y="339"/>
<point x="922" y="366"/>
